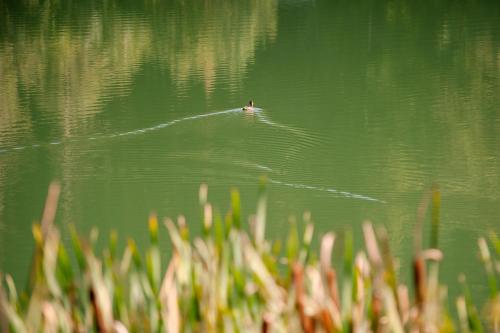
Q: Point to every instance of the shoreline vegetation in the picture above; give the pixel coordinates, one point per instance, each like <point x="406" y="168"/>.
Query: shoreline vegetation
<point x="231" y="278"/>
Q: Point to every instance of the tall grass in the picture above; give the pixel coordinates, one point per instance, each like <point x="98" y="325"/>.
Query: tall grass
<point x="232" y="279"/>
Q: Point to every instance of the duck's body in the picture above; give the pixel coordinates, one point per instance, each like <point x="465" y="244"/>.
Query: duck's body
<point x="249" y="106"/>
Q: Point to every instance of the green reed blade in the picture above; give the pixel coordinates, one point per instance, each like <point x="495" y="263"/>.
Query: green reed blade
<point x="436" y="208"/>
<point x="153" y="229"/>
<point x="135" y="253"/>
<point x="305" y="252"/>
<point x="495" y="240"/>
<point x="8" y="314"/>
<point x="389" y="271"/>
<point x="11" y="289"/>
<point x="474" y="321"/>
<point x="77" y="247"/>
<point x="292" y="243"/>
<point x="488" y="266"/>
<point x="153" y="260"/>
<point x="228" y="224"/>
<point x="36" y="271"/>
<point x="64" y="269"/>
<point x="113" y="243"/>
<point x="219" y="233"/>
<point x="347" y="283"/>
<point x="236" y="208"/>
<point x="183" y="228"/>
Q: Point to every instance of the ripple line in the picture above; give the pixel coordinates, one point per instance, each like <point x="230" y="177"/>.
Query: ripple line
<point x="121" y="134"/>
<point x="297" y="131"/>
<point x="167" y="124"/>
<point x="326" y="189"/>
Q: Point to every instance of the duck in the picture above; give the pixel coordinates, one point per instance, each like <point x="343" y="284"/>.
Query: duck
<point x="249" y="106"/>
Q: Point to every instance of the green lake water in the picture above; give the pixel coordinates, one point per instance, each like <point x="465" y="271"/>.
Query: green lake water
<point x="362" y="106"/>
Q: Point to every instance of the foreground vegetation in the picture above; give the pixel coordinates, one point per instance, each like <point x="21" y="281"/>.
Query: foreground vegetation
<point x="233" y="280"/>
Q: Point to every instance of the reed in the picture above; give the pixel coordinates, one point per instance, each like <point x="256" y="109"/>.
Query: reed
<point x="230" y="279"/>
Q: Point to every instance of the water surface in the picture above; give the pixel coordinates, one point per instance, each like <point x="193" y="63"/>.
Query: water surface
<point x="362" y="106"/>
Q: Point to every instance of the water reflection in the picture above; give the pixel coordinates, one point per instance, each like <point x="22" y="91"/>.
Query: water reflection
<point x="63" y="71"/>
<point x="453" y="111"/>
<point x="59" y="75"/>
<point x="214" y="39"/>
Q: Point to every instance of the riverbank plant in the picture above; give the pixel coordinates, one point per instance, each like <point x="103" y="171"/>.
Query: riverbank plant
<point x="232" y="278"/>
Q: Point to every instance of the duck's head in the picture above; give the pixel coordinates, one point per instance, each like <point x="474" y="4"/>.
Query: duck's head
<point x="249" y="106"/>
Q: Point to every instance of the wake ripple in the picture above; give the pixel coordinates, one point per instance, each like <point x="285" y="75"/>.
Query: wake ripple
<point x="257" y="112"/>
<point x="344" y="194"/>
<point x="128" y="133"/>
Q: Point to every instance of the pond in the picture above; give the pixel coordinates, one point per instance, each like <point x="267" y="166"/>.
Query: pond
<point x="360" y="108"/>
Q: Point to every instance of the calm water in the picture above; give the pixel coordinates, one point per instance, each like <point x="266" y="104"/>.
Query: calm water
<point x="362" y="106"/>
